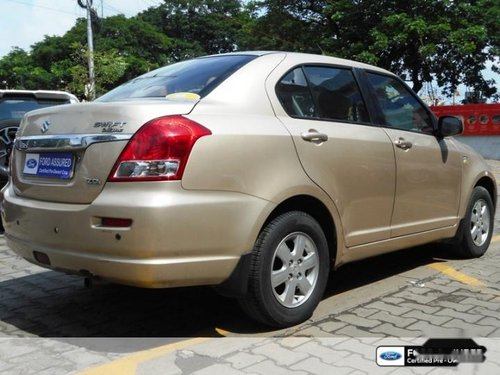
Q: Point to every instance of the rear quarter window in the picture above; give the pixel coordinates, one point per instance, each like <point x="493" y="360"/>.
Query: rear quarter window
<point x="323" y="93"/>
<point x="198" y="76"/>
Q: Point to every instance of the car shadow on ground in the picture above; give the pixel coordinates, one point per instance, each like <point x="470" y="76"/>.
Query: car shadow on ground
<point x="381" y="267"/>
<point x="50" y="304"/>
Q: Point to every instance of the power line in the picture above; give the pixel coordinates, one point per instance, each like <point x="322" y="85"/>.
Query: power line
<point x="41" y="6"/>
<point x="116" y="10"/>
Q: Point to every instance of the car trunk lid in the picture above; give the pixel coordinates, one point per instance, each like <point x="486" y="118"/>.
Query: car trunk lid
<point x="65" y="154"/>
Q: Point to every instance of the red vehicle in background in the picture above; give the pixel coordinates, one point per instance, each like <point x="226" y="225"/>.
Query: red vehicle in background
<point x="478" y="119"/>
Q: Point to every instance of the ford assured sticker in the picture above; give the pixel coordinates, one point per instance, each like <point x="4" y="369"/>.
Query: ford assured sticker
<point x="51" y="165"/>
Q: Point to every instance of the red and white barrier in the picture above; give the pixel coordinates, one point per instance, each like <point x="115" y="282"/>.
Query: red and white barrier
<point x="481" y="126"/>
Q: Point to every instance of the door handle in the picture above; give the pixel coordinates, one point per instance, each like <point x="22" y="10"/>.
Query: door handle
<point x="403" y="144"/>
<point x="314" y="136"/>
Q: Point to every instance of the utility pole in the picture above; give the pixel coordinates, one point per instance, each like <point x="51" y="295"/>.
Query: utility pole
<point x="87" y="4"/>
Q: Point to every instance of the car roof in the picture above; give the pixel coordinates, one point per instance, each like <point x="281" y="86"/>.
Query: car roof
<point x="40" y="94"/>
<point x="305" y="58"/>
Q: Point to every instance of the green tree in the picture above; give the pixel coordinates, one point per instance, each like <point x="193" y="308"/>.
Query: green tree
<point x="18" y="70"/>
<point x="142" y="45"/>
<point x="109" y="68"/>
<point x="198" y="27"/>
<point x="421" y="40"/>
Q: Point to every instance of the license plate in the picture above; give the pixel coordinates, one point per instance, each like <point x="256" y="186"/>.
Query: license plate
<point x="51" y="165"/>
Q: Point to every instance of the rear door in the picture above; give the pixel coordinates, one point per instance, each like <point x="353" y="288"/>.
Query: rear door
<point x="429" y="170"/>
<point x="340" y="150"/>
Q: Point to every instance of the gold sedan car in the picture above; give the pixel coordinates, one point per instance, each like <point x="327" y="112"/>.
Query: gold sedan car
<point x="257" y="172"/>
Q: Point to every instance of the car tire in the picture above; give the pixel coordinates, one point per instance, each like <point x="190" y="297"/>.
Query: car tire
<point x="288" y="272"/>
<point x="476" y="228"/>
<point x="8" y="130"/>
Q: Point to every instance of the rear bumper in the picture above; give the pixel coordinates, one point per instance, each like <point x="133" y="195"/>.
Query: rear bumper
<point x="177" y="237"/>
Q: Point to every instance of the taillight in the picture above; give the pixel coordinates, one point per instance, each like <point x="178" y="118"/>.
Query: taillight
<point x="158" y="151"/>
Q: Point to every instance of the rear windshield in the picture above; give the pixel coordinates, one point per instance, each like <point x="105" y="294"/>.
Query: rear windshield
<point x="16" y="107"/>
<point x="198" y="76"/>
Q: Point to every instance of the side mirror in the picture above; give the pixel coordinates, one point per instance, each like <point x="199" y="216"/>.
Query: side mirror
<point x="449" y="126"/>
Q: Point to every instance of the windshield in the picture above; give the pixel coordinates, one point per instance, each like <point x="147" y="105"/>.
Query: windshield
<point x="198" y="76"/>
<point x="16" y="107"/>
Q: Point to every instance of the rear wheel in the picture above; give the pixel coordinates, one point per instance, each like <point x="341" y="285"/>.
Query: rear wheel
<point x="476" y="228"/>
<point x="289" y="271"/>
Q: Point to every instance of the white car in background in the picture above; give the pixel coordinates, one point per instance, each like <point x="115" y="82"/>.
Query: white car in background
<point x="13" y="105"/>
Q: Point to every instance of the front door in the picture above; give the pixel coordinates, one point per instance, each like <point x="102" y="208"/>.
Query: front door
<point x="429" y="170"/>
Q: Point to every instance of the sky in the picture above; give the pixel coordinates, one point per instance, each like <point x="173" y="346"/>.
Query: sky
<point x="25" y="22"/>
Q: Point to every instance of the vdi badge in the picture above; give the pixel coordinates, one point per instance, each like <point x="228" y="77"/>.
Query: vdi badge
<point x="390" y="356"/>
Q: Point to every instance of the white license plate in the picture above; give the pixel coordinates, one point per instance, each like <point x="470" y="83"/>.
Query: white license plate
<point x="49" y="165"/>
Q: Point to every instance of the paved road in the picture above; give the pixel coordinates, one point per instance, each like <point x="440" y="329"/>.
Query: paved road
<point x="51" y="324"/>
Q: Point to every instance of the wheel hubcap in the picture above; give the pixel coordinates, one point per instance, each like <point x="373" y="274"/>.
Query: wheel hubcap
<point x="295" y="268"/>
<point x="480" y="222"/>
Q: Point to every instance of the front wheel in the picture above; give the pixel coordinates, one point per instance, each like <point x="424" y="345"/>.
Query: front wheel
<point x="476" y="228"/>
<point x="289" y="271"/>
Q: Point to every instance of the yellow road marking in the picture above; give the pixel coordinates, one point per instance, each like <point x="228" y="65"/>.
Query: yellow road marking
<point x="453" y="273"/>
<point x="128" y="365"/>
<point x="496" y="238"/>
<point x="222" y="332"/>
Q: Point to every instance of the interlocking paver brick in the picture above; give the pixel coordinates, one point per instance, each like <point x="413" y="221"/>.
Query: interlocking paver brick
<point x="476" y="296"/>
<point x="494" y="278"/>
<point x="218" y="369"/>
<point x="390" y="330"/>
<point x="490" y="321"/>
<point x="395" y="320"/>
<point x="453" y="305"/>
<point x="364" y="364"/>
<point x="280" y="355"/>
<point x="325" y="354"/>
<point x="394" y="300"/>
<point x="390" y="308"/>
<point x="317" y="367"/>
<point x="357" y="345"/>
<point x="469" y="330"/>
<point x="225" y="347"/>
<point x="313" y="331"/>
<point x="417" y="298"/>
<point x="84" y="357"/>
<point x="357" y="320"/>
<point x="352" y="331"/>
<point x="442" y="288"/>
<point x="433" y="319"/>
<point x="364" y="312"/>
<point x="242" y="359"/>
<point x="269" y="367"/>
<point x="424" y="308"/>
<point x="477" y="302"/>
<point x="293" y="342"/>
<point x="470" y="318"/>
<point x="331" y="326"/>
<point x="434" y="331"/>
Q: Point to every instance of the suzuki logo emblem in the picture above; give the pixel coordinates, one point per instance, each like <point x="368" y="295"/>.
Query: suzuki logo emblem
<point x="45" y="126"/>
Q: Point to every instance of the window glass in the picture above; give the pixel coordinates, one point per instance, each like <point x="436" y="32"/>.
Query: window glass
<point x="294" y="94"/>
<point x="399" y="106"/>
<point x="336" y="94"/>
<point x="199" y="76"/>
<point x="16" y="107"/>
